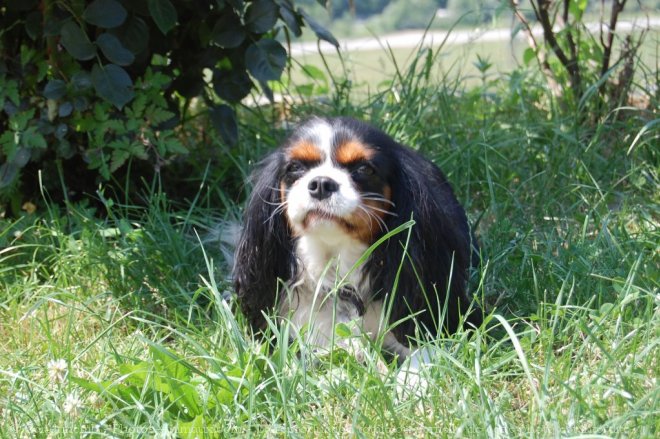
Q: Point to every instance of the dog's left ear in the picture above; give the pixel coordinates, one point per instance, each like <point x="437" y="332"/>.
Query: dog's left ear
<point x="433" y="279"/>
<point x="265" y="249"/>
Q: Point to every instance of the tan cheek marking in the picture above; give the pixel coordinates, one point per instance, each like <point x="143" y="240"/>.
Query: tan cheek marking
<point x="282" y="192"/>
<point x="353" y="151"/>
<point x="366" y="227"/>
<point x="305" y="151"/>
<point x="387" y="193"/>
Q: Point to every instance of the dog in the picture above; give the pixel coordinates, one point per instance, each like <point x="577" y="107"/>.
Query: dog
<point x="306" y="252"/>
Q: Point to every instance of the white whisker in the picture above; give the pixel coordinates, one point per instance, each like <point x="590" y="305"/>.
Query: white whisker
<point x="373" y="196"/>
<point x="279" y="209"/>
<point x="378" y="209"/>
<point x="379" y="220"/>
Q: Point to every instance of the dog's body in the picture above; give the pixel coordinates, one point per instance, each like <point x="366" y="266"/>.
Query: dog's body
<point x="319" y="202"/>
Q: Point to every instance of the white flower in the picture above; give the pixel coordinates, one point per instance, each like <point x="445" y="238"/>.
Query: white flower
<point x="95" y="401"/>
<point x="57" y="370"/>
<point x="72" y="405"/>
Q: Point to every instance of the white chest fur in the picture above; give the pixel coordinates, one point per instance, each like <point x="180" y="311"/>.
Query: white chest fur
<point x="330" y="259"/>
<point x="327" y="259"/>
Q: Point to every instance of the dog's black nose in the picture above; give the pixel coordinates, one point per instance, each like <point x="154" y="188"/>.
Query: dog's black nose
<point x="322" y="187"/>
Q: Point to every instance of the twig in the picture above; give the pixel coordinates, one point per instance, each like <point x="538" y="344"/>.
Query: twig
<point x="540" y="57"/>
<point x="617" y="7"/>
<point x="543" y="16"/>
<point x="572" y="47"/>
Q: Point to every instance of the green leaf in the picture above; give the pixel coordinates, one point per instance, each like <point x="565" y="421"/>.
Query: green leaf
<point x="138" y="150"/>
<point x="321" y="32"/>
<point x="529" y="55"/>
<point x="61" y="131"/>
<point x="31" y="138"/>
<point x="75" y="42"/>
<point x="10" y="90"/>
<point x="113" y="84"/>
<point x="261" y="16"/>
<point x="65" y="109"/>
<point x="109" y="388"/>
<point x="342" y="330"/>
<point x="577" y="8"/>
<point x="81" y="81"/>
<point x="169" y="364"/>
<point x="8" y="173"/>
<point x="171" y="145"/>
<point x="20" y="121"/>
<point x="55" y="89"/>
<point x="163" y="13"/>
<point x="137" y="374"/>
<point x="267" y="91"/>
<point x="90" y="385"/>
<point x="265" y="59"/>
<point x="22" y="157"/>
<point x="158" y="115"/>
<point x="305" y="89"/>
<point x="289" y="17"/>
<point x="53" y="27"/>
<point x="80" y="103"/>
<point x="8" y="143"/>
<point x="114" y="50"/>
<point x="105" y="13"/>
<point x="133" y="34"/>
<point x="314" y="72"/>
<point x="173" y="378"/>
<point x="64" y="149"/>
<point x="223" y="119"/>
<point x="231" y="85"/>
<point x="197" y="428"/>
<point x="119" y="157"/>
<point x="227" y="31"/>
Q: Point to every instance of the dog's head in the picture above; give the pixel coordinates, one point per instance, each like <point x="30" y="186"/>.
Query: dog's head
<point x="334" y="181"/>
<point x="336" y="178"/>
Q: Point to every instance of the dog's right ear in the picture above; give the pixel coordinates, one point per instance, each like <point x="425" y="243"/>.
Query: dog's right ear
<point x="265" y="250"/>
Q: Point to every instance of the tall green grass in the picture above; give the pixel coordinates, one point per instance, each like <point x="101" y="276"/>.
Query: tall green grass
<point x="131" y="297"/>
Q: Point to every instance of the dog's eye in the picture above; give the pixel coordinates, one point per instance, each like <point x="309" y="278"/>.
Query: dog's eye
<point x="365" y="169"/>
<point x="295" y="168"/>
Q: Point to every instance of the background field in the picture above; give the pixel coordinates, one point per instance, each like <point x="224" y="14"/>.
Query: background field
<point x="372" y="70"/>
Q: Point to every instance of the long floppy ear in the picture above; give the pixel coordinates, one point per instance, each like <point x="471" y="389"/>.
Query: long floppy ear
<point x="433" y="280"/>
<point x="265" y="249"/>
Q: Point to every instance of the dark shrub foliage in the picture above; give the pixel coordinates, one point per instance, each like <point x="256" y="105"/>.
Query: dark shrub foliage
<point x="86" y="86"/>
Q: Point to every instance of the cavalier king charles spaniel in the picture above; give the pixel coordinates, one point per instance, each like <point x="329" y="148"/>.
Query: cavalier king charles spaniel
<point x="306" y="251"/>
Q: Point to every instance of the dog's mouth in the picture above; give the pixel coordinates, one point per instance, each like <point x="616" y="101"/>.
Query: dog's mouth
<point x="317" y="217"/>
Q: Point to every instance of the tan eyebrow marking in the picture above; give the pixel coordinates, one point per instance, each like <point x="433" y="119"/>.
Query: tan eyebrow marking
<point x="353" y="151"/>
<point x="305" y="151"/>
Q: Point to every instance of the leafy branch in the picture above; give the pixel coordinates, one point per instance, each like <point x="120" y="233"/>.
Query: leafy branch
<point x="569" y="49"/>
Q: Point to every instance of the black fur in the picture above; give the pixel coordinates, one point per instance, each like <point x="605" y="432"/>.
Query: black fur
<point x="439" y="240"/>
<point x="264" y="255"/>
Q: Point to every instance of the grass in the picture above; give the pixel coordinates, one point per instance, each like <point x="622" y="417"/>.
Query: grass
<point x="132" y="301"/>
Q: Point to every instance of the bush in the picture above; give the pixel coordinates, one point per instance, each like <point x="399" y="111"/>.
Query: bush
<point x="91" y="85"/>
<point x="580" y="64"/>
